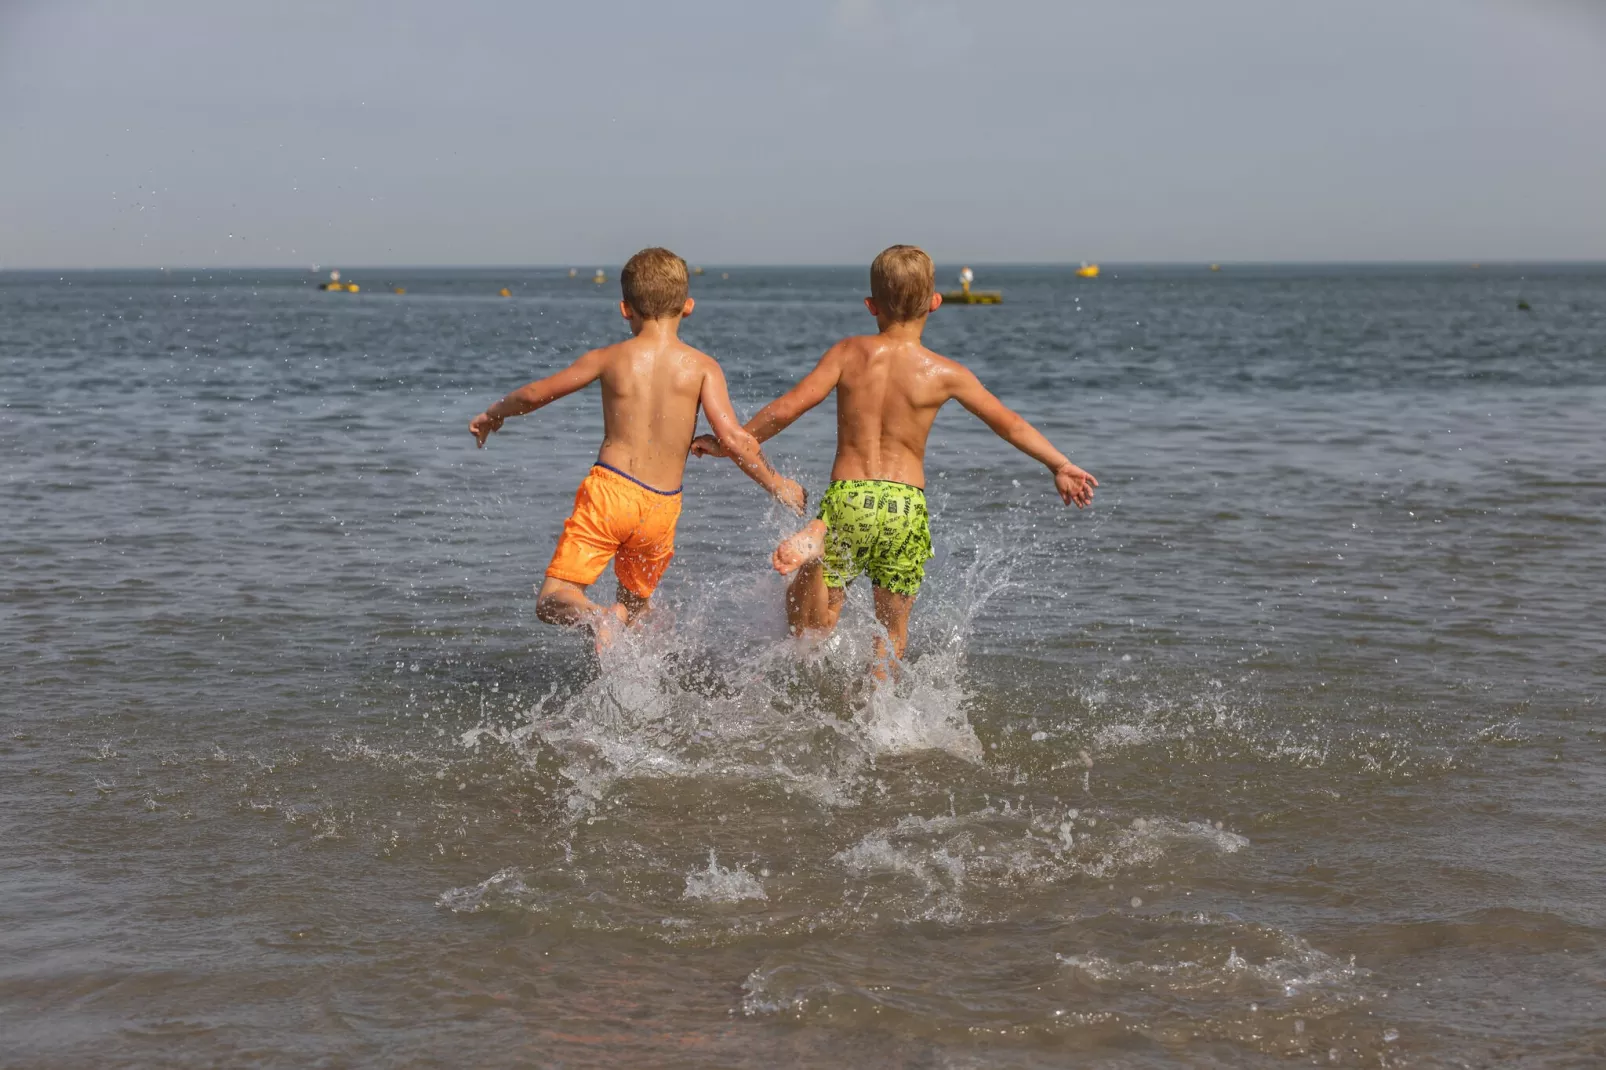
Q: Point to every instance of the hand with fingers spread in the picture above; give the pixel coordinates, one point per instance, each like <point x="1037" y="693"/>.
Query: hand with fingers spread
<point x="482" y="426"/>
<point x="1074" y="485"/>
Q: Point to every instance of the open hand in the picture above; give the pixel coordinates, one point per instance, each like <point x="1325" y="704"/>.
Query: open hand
<point x="707" y="446"/>
<point x="792" y="495"/>
<point x="1074" y="485"/>
<point x="482" y="426"/>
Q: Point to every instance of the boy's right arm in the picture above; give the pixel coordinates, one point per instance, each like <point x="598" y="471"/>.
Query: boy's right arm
<point x="737" y="443"/>
<point x="1073" y="484"/>
<point x="532" y="396"/>
<point x="780" y="414"/>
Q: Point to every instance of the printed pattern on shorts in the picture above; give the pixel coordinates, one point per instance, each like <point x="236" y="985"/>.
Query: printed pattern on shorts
<point x="876" y="528"/>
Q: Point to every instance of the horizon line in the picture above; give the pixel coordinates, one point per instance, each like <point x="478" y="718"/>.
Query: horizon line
<point x="562" y="266"/>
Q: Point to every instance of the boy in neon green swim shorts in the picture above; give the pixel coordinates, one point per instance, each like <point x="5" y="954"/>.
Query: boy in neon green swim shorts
<point x="872" y="519"/>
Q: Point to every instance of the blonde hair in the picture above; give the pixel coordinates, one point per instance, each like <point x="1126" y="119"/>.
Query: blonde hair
<point x="654" y="283"/>
<point x="902" y="280"/>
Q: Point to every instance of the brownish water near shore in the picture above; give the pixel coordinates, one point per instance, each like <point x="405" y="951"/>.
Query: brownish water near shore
<point x="1287" y="752"/>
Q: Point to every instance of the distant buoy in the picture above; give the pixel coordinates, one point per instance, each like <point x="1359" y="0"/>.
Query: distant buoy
<point x="504" y="292"/>
<point x="1523" y="306"/>
<point x="966" y="296"/>
<point x="599" y="277"/>
<point x="696" y="271"/>
<point x="1215" y="267"/>
<point x="334" y="285"/>
<point x="1087" y="271"/>
<point x="399" y="290"/>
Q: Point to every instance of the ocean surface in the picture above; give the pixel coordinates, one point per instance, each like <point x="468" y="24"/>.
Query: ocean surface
<point x="1290" y="751"/>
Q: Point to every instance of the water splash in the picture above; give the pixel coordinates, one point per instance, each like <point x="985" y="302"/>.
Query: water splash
<point x="681" y="697"/>
<point x="719" y="885"/>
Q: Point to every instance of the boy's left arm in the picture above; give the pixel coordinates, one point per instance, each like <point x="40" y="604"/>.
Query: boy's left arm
<point x="532" y="396"/>
<point x="1073" y="484"/>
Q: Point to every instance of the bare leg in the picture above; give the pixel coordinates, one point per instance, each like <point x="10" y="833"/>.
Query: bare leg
<point x="892" y="610"/>
<point x="565" y="603"/>
<point x="806" y="598"/>
<point x="811" y="606"/>
<point x="632" y="603"/>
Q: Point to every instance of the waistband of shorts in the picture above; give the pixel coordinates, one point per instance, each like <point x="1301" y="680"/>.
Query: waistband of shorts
<point x="637" y="482"/>
<point x="876" y="483"/>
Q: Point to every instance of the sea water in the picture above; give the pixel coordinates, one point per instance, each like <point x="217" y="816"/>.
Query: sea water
<point x="1288" y="751"/>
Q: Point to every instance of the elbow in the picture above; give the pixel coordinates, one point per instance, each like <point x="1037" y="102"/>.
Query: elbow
<point x="739" y="443"/>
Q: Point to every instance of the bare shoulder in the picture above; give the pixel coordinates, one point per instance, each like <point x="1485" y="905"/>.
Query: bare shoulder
<point x="856" y="344"/>
<point x="695" y="359"/>
<point x="609" y="354"/>
<point x="947" y="369"/>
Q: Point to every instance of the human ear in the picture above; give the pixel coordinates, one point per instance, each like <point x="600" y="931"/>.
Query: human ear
<point x="624" y="310"/>
<point x="936" y="303"/>
<point x="869" y="303"/>
<point x="685" y="310"/>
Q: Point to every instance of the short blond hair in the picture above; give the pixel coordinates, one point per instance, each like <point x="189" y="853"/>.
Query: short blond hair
<point x="902" y="280"/>
<point x="654" y="283"/>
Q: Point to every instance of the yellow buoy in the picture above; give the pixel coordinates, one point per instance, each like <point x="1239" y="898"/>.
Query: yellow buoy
<point x="1087" y="271"/>
<point x="352" y="287"/>
<point x="599" y="277"/>
<point x="1215" y="267"/>
<point x="966" y="296"/>
<point x="504" y="292"/>
<point x="696" y="271"/>
<point x="399" y="290"/>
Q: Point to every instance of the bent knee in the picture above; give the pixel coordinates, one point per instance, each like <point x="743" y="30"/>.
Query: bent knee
<point x="550" y="609"/>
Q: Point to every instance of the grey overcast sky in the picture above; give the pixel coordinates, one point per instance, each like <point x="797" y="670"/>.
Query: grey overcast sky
<point x="347" y="132"/>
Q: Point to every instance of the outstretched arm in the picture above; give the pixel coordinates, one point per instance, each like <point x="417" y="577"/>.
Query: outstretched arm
<point x="737" y="443"/>
<point x="779" y="414"/>
<point x="1073" y="484"/>
<point x="532" y="396"/>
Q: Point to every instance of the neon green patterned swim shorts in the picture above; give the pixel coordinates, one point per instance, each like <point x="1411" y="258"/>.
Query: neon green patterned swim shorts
<point x="876" y="528"/>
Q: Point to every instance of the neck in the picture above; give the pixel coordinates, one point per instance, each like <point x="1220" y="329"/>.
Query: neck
<point x="902" y="330"/>
<point x="663" y="328"/>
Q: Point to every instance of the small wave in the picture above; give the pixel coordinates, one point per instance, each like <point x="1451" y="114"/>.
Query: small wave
<point x="503" y="888"/>
<point x="719" y="885"/>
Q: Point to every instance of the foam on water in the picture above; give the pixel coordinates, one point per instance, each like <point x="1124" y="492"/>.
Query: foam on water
<point x="717" y="884"/>
<point x="680" y="697"/>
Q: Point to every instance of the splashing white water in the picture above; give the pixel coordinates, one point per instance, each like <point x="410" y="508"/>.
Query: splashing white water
<point x="678" y="697"/>
<point x="717" y="884"/>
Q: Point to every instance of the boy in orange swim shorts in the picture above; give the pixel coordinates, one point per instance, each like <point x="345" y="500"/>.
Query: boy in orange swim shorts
<point x="652" y="387"/>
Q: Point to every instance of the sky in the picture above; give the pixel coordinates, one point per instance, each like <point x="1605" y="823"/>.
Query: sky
<point x="186" y="134"/>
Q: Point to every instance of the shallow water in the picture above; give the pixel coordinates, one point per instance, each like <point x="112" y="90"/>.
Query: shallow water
<point x="1288" y="751"/>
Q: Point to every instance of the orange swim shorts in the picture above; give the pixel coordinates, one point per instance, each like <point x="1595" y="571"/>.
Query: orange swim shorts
<point x="617" y="516"/>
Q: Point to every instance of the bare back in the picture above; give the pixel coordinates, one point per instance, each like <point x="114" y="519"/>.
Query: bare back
<point x="888" y="393"/>
<point x="651" y="388"/>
